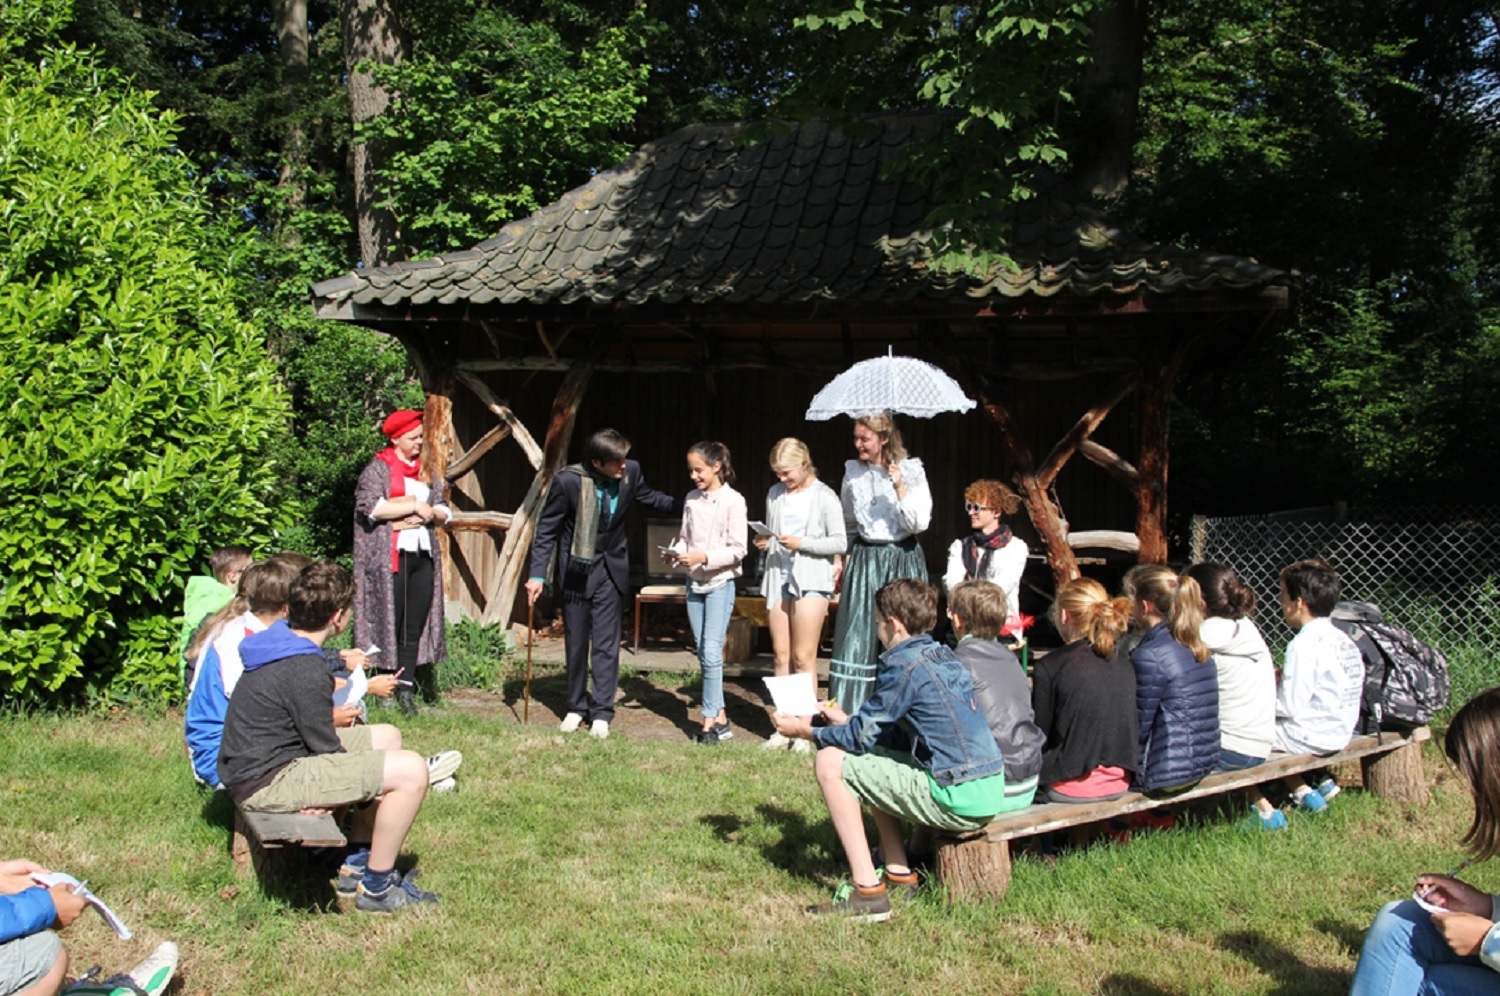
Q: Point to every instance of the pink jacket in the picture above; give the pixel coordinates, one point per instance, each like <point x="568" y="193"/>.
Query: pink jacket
<point x="715" y="523"/>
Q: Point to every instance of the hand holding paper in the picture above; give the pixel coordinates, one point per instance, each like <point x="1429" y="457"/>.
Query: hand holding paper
<point x="793" y="694"/>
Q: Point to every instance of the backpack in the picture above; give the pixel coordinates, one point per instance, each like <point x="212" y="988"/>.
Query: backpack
<point x="1406" y="681"/>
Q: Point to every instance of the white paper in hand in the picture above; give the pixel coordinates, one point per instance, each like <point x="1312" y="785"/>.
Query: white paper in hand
<point x="352" y="692"/>
<point x="81" y="889"/>
<point x="794" y="694"/>
<point x="760" y="528"/>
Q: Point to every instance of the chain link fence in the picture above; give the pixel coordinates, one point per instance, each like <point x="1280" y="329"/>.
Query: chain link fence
<point x="1435" y="571"/>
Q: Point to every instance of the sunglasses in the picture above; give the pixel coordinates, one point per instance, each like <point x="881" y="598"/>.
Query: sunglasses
<point x="971" y="508"/>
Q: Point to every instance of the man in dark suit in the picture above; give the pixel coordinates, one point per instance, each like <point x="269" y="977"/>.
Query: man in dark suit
<point x="584" y="522"/>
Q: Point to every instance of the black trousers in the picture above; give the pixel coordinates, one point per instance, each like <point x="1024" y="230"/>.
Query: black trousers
<point x="591" y="645"/>
<point x="411" y="588"/>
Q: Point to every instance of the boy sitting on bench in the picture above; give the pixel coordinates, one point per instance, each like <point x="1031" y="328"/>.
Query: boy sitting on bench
<point x="282" y="754"/>
<point x="918" y="749"/>
<point x="1317" y="703"/>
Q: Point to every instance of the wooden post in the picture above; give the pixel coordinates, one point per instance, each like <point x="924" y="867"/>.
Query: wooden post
<point x="1397" y="776"/>
<point x="1151" y="461"/>
<point x="517" y="547"/>
<point x="973" y="868"/>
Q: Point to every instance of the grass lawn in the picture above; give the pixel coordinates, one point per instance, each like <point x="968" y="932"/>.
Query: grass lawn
<point x="649" y="865"/>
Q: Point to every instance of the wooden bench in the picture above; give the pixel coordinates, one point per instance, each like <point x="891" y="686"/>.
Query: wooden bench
<point x="978" y="864"/>
<point x="262" y="840"/>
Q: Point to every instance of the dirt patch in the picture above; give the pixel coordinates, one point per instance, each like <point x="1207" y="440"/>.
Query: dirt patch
<point x="661" y="705"/>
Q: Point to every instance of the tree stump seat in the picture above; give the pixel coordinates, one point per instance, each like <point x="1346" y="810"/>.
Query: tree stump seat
<point x="977" y="864"/>
<point x="267" y="841"/>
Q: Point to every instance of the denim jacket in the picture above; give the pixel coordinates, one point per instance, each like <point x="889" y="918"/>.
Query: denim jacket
<point x="923" y="691"/>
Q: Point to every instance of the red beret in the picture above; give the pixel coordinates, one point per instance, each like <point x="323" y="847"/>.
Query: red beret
<point x="400" y="422"/>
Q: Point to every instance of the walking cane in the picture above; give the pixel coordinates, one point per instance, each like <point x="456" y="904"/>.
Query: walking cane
<point x="530" y="627"/>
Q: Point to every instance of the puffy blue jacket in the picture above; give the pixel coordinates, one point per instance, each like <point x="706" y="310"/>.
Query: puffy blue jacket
<point x="1178" y="701"/>
<point x="24" y="913"/>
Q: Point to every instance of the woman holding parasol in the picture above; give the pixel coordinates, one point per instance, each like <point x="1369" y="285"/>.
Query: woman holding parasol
<point x="885" y="497"/>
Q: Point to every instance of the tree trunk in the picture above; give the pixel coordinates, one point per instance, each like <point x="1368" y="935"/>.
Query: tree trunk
<point x="1151" y="463"/>
<point x="977" y="868"/>
<point x="1397" y="776"/>
<point x="1108" y="97"/>
<point x="294" y="42"/>
<point x="372" y="36"/>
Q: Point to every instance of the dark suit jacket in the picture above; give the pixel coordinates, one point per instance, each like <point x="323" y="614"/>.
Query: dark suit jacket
<point x="554" y="531"/>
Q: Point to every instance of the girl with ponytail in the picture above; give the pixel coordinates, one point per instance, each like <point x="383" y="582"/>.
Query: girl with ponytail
<point x="1247" y="675"/>
<point x="1177" y="690"/>
<point x="1091" y="749"/>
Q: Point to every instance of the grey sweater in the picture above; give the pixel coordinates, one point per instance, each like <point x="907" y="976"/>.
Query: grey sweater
<point x="279" y="712"/>
<point x="1005" y="699"/>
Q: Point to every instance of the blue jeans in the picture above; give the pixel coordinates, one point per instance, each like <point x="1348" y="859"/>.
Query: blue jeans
<point x="1403" y="953"/>
<point x="1230" y="760"/>
<point x="709" y="616"/>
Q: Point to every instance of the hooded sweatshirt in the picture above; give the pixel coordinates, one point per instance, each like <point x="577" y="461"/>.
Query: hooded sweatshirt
<point x="281" y="710"/>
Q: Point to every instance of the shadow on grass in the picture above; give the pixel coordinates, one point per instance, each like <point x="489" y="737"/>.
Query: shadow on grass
<point x="1292" y="975"/>
<point x="802" y="849"/>
<point x="300" y="877"/>
<point x="1350" y="937"/>
<point x="641" y="692"/>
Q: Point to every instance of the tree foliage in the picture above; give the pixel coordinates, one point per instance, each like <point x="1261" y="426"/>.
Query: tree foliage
<point x="138" y="405"/>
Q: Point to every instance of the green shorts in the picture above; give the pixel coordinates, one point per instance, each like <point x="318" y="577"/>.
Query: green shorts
<point x="893" y="783"/>
<point x="323" y="781"/>
<point x="24" y="961"/>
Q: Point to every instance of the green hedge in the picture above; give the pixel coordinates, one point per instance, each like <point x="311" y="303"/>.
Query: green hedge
<point x="136" y="404"/>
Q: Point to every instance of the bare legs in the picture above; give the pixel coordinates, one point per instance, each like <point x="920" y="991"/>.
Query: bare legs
<point x="849" y="821"/>
<point x="796" y="628"/>
<point x="403" y="789"/>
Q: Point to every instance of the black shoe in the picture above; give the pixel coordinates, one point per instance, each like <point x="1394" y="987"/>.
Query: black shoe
<point x="717" y="733"/>
<point x="406" y="701"/>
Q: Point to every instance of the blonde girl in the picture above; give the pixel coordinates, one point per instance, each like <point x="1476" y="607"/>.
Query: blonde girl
<point x="806" y="545"/>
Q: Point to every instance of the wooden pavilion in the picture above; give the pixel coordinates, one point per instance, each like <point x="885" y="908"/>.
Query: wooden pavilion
<point x="710" y="284"/>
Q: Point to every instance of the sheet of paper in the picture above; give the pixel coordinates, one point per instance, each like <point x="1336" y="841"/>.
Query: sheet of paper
<point x="794" y="694"/>
<point x="81" y="889"/>
<point x="353" y="690"/>
<point x="760" y="528"/>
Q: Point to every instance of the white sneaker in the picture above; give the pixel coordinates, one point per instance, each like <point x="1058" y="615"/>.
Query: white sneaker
<point x="441" y="766"/>
<point x="776" y="742"/>
<point x="571" y="722"/>
<point x="445" y="785"/>
<point x="600" y="729"/>
<point x="800" y="746"/>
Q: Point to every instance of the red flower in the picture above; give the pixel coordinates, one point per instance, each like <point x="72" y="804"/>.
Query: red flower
<point x="1016" y="625"/>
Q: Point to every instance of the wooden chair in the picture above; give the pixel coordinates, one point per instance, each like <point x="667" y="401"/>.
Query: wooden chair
<point x="664" y="582"/>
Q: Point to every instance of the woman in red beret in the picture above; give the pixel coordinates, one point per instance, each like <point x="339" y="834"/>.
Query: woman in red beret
<point x="398" y="567"/>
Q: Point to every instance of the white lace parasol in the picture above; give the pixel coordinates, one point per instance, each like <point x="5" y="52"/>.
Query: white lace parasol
<point x="900" y="384"/>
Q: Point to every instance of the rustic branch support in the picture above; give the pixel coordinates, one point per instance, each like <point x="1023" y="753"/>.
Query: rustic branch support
<point x="482" y="391"/>
<point x="480" y="521"/>
<point x="1119" y="468"/>
<point x="1081" y="431"/>
<point x="458" y="468"/>
<point x="518" y="537"/>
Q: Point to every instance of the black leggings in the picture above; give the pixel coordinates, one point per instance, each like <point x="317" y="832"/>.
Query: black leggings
<point x="411" y="588"/>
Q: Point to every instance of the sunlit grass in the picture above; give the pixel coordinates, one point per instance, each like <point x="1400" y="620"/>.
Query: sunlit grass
<point x="648" y="865"/>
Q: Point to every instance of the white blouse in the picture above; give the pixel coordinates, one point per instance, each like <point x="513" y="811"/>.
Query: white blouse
<point x="415" y="540"/>
<point x="871" y="509"/>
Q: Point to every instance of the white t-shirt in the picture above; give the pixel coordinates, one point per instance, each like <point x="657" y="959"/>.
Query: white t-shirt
<point x="1317" y="706"/>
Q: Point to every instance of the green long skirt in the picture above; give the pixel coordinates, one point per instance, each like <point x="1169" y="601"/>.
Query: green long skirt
<point x="856" y="647"/>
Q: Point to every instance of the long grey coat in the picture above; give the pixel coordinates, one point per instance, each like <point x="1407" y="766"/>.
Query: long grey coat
<point x="374" y="600"/>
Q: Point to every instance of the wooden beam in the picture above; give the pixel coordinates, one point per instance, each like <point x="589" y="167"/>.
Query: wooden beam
<point x="458" y="468"/>
<point x="477" y="521"/>
<point x="502" y="412"/>
<point x="1064" y="371"/>
<point x="517" y="547"/>
<point x="1108" y="539"/>
<point x="1082" y="429"/>
<point x="687" y="365"/>
<point x="1118" y="466"/>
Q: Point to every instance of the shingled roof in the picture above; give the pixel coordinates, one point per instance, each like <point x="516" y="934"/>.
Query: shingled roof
<point x="788" y="213"/>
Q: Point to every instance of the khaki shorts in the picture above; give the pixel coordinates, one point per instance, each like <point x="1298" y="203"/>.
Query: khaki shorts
<point x="24" y="961"/>
<point x="326" y="780"/>
<point x="894" y="783"/>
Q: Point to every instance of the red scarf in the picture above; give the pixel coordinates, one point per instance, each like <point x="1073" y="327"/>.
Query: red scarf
<point x="400" y="471"/>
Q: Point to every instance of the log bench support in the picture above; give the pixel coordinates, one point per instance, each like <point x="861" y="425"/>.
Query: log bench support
<point x="267" y="841"/>
<point x="977" y="865"/>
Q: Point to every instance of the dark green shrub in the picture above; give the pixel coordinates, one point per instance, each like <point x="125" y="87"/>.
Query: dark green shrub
<point x="136" y="404"/>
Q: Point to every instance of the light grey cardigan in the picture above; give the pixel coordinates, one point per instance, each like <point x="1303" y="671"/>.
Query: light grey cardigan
<point x="812" y="566"/>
